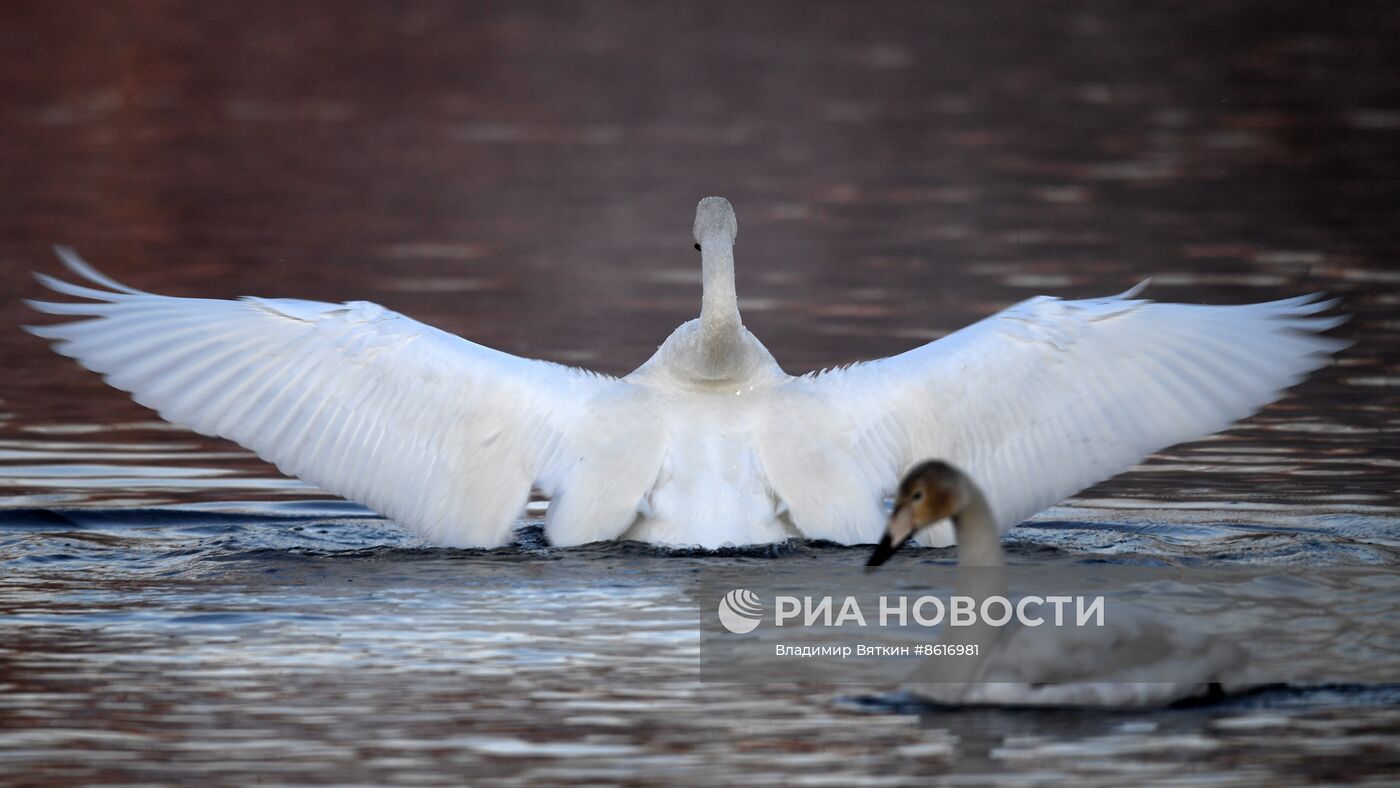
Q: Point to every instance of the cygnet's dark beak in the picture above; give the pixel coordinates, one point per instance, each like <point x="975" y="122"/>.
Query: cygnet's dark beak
<point x="882" y="553"/>
<point x="902" y="523"/>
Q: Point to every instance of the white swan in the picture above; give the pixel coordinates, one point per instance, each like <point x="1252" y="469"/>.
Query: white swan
<point x="1134" y="659"/>
<point x="709" y="442"/>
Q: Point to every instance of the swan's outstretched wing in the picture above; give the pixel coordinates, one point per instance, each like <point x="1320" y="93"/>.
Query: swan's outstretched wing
<point x="1036" y="402"/>
<point x="440" y="434"/>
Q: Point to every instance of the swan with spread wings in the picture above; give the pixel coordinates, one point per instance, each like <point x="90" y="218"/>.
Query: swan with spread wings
<point x="709" y="442"/>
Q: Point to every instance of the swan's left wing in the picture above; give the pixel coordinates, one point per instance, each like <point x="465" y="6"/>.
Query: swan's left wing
<point x="441" y="434"/>
<point x="1036" y="402"/>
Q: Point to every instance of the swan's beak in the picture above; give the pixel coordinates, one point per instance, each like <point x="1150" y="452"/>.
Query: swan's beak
<point x="901" y="523"/>
<point x="882" y="553"/>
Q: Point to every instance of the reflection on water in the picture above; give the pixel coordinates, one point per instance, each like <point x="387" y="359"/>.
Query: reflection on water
<point x="310" y="641"/>
<point x="171" y="609"/>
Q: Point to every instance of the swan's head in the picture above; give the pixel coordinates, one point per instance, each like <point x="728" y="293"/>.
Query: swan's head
<point x="931" y="491"/>
<point x="715" y="222"/>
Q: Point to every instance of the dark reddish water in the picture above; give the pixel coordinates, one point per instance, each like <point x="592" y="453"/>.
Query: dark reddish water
<point x="525" y="175"/>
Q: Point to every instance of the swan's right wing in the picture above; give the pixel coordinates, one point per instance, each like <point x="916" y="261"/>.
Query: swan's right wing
<point x="1035" y="403"/>
<point x="443" y="435"/>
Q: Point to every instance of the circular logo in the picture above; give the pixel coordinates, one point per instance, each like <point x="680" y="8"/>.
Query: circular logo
<point x="740" y="611"/>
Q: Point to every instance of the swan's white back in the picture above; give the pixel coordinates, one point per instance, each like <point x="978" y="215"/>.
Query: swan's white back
<point x="709" y="442"/>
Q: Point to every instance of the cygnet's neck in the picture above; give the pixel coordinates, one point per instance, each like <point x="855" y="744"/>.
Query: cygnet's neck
<point x="979" y="539"/>
<point x="980" y="557"/>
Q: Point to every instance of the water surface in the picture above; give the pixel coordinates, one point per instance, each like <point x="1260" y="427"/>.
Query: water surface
<point x="171" y="609"/>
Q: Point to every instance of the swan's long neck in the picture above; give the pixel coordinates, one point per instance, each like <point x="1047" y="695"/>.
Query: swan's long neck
<point x="720" y="325"/>
<point x="979" y="539"/>
<point x="721" y="332"/>
<point x="980" y="557"/>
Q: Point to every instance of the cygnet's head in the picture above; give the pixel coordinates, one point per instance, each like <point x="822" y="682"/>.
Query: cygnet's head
<point x="714" y="220"/>
<point x="931" y="491"/>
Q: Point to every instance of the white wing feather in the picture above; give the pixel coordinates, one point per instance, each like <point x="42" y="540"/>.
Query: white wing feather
<point x="442" y="435"/>
<point x="1037" y="402"/>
